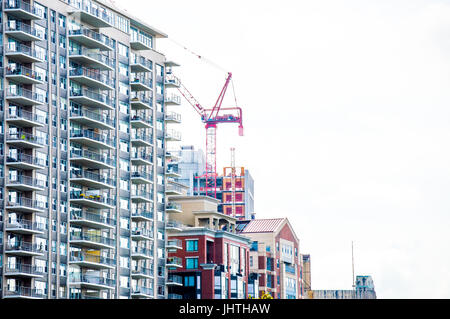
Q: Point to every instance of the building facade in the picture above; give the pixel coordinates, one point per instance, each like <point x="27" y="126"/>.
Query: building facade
<point x="364" y="289"/>
<point x="207" y="258"/>
<point x="275" y="256"/>
<point x="83" y="115"/>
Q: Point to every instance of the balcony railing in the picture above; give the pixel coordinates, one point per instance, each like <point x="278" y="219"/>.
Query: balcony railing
<point x="143" y="81"/>
<point x="172" y="116"/>
<point x="26" y="225"/>
<point x="93" y="176"/>
<point x="148" y="120"/>
<point x="25" y="292"/>
<point x="174" y="296"/>
<point x="14" y="47"/>
<point x="21" y="70"/>
<point x="94" y="36"/>
<point x="14" y="91"/>
<point x="142" y="291"/>
<point x="95" y="198"/>
<point x="92" y="74"/>
<point x="24" y="158"/>
<point x="93" y="136"/>
<point x="174" y="242"/>
<point x="173" y="188"/>
<point x="174" y="279"/>
<point x="100" y="117"/>
<point x="87" y="7"/>
<point x="142" y="61"/>
<point x="25" y="246"/>
<point x="26" y="202"/>
<point x="26" y="180"/>
<point x="142" y="271"/>
<point x="24" y="268"/>
<point x="103" y="158"/>
<point x="174" y="261"/>
<point x="80" y="257"/>
<point x="142" y="99"/>
<point x="96" y="218"/>
<point x="25" y="137"/>
<point x="141" y="213"/>
<point x="99" y="97"/>
<point x="19" y="4"/>
<point x="175" y="99"/>
<point x="20" y="26"/>
<point x="173" y="206"/>
<point x="142" y="251"/>
<point x="142" y="155"/>
<point x="21" y="114"/>
<point x="88" y="279"/>
<point x="141" y="232"/>
<point x="144" y="175"/>
<point x="101" y="58"/>
<point x="172" y="134"/>
<point x="143" y="137"/>
<point x="142" y="193"/>
<point x="290" y="269"/>
<point x="92" y="238"/>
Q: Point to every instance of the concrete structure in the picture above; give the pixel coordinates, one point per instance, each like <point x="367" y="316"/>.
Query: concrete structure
<point x="364" y="289"/>
<point x="275" y="256"/>
<point x="84" y="115"/>
<point x="189" y="162"/>
<point x="206" y="258"/>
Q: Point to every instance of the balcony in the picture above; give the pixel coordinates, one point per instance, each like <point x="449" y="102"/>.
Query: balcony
<point x="91" y="220"/>
<point x="92" y="160"/>
<point x="23" y="75"/>
<point x="172" y="99"/>
<point x="88" y="240"/>
<point x="172" y="156"/>
<point x="172" y="83"/>
<point x="92" y="180"/>
<point x="92" y="99"/>
<point x="172" y="136"/>
<point x="141" y="178"/>
<point x="289" y="269"/>
<point x="92" y="59"/>
<point x="93" y="119"/>
<point x="24" y="270"/>
<point x="22" y="53"/>
<point x="140" y="196"/>
<point x="172" y="207"/>
<point x="174" y="280"/>
<point x="141" y="292"/>
<point x="23" y="10"/>
<point x="142" y="216"/>
<point x="25" y="227"/>
<point x="174" y="244"/>
<point x="94" y="16"/>
<point x="139" y="253"/>
<point x="172" y="117"/>
<point x="92" y="139"/>
<point x="142" y="273"/>
<point x="174" y="262"/>
<point x="138" y="42"/>
<point x="141" y="102"/>
<point x="93" y="201"/>
<point x="173" y="190"/>
<point x="26" y="205"/>
<point x="25" y="293"/>
<point x="25" y="183"/>
<point x="92" y="78"/>
<point x="140" y="64"/>
<point x="24" y="249"/>
<point x="141" y="84"/>
<point x="138" y="121"/>
<point x="173" y="172"/>
<point x="19" y="117"/>
<point x="173" y="225"/>
<point x="22" y="31"/>
<point x="91" y="281"/>
<point x="174" y="296"/>
<point x="91" y="261"/>
<point x="141" y="158"/>
<point x="22" y="96"/>
<point x="25" y="162"/>
<point x="139" y="234"/>
<point x="91" y="39"/>
<point x="141" y="140"/>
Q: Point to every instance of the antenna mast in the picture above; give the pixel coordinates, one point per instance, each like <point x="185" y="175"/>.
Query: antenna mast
<point x="353" y="269"/>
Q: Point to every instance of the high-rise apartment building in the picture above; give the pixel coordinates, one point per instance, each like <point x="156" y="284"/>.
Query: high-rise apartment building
<point x="83" y="115"/>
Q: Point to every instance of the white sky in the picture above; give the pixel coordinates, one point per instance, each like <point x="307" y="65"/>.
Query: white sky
<point x="347" y="124"/>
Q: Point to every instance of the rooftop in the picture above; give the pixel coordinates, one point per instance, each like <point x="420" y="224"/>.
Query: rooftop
<point x="261" y="225"/>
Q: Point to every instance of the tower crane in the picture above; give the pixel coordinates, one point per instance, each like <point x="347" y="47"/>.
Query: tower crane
<point x="211" y="118"/>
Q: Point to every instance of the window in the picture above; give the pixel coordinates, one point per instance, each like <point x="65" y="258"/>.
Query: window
<point x="123" y="50"/>
<point x="191" y="245"/>
<point x="191" y="263"/>
<point x="189" y="281"/>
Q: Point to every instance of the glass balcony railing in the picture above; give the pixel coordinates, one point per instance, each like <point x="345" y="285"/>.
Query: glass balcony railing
<point x="92" y="74"/>
<point x="25" y="225"/>
<point x="142" y="291"/>
<point x="175" y="242"/>
<point x="93" y="35"/>
<point x="96" y="218"/>
<point x="174" y="296"/>
<point x="172" y="134"/>
<point x="142" y="193"/>
<point x="26" y="292"/>
<point x="142" y="213"/>
<point x="139" y="60"/>
<point x="174" y="261"/>
<point x="91" y="54"/>
<point x="26" y="202"/>
<point x="26" y="28"/>
<point x="14" y="92"/>
<point x="141" y="98"/>
<point x="25" y="137"/>
<point x="97" y="12"/>
<point x="26" y="180"/>
<point x="172" y="116"/>
<point x="172" y="99"/>
<point x="24" y="246"/>
<point x="173" y="206"/>
<point x="93" y="177"/>
<point x="142" y="232"/>
<point x="103" y="158"/>
<point x="27" y="159"/>
<point x="142" y="137"/>
<point x="99" y="97"/>
<point x="91" y="279"/>
<point x="142" y="155"/>
<point x="290" y="269"/>
<point x="143" y="81"/>
<point x="93" y="136"/>
<point x="85" y="257"/>
<point x="173" y="188"/>
<point x="99" y="117"/>
<point x="14" y="47"/>
<point x="95" y="198"/>
<point x="21" y="70"/>
<point x="142" y="271"/>
<point x="146" y="119"/>
<point x="82" y="236"/>
<point x="144" y="175"/>
<point x="25" y="115"/>
<point x="25" y="6"/>
<point x="175" y="279"/>
<point x="142" y="251"/>
<point x="24" y="268"/>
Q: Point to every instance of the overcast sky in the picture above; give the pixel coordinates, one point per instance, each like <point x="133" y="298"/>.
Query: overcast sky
<point x="347" y="124"/>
